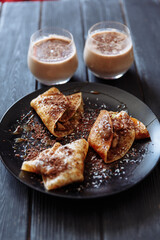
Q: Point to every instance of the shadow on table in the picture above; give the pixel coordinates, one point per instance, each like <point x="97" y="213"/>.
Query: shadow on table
<point x="129" y="82"/>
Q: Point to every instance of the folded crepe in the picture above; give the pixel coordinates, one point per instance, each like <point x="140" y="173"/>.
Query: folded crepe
<point x="74" y="103"/>
<point x="112" y="135"/>
<point x="140" y="129"/>
<point x="59" y="165"/>
<point x="123" y="136"/>
<point x="101" y="134"/>
<point x="59" y="113"/>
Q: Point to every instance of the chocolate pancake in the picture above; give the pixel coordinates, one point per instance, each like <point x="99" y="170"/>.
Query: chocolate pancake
<point x="140" y="128"/>
<point x="75" y="102"/>
<point x="123" y="135"/>
<point x="101" y="134"/>
<point x="141" y="131"/>
<point x="60" y="165"/>
<point x="34" y="164"/>
<point x="52" y="105"/>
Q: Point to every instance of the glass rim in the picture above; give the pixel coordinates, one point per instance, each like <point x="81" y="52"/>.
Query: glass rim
<point x="91" y="31"/>
<point x="50" y="31"/>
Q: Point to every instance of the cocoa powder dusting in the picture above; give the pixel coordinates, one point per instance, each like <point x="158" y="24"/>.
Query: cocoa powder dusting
<point x="110" y="42"/>
<point x="51" y="49"/>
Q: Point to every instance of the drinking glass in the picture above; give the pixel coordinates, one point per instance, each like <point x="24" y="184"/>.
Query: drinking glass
<point x="108" y="51"/>
<point x="52" y="56"/>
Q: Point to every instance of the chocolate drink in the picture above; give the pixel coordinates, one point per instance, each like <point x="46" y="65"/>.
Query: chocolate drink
<point x="108" y="53"/>
<point x="52" y="59"/>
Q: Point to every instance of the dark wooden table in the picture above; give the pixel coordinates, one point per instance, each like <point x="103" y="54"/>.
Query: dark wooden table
<point x="27" y="214"/>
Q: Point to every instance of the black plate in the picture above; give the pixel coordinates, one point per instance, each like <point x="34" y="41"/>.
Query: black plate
<point x="118" y="176"/>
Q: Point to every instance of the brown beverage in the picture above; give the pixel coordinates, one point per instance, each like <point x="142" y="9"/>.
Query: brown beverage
<point x="108" y="53"/>
<point x="52" y="59"/>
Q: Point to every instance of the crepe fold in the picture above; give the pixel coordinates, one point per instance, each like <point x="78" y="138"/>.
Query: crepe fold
<point x="120" y="132"/>
<point x="141" y="131"/>
<point x="59" y="165"/>
<point x="121" y="129"/>
<point x="59" y="113"/>
<point x="123" y="136"/>
<point x="101" y="134"/>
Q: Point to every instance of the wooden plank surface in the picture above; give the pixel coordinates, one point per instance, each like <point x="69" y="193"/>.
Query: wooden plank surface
<point x="134" y="214"/>
<point x="16" y="79"/>
<point x="54" y="218"/>
<point x="18" y="21"/>
<point x="147" y="48"/>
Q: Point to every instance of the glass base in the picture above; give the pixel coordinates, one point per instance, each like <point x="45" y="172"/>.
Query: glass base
<point x="109" y="77"/>
<point x="51" y="83"/>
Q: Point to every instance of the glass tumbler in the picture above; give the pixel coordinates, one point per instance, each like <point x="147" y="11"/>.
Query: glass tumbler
<point x="52" y="56"/>
<point x="108" y="51"/>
